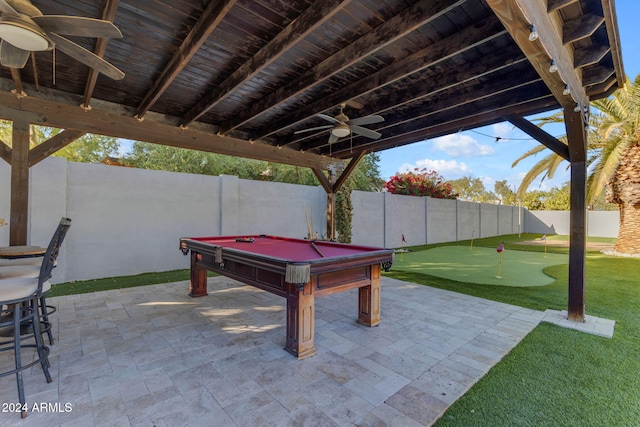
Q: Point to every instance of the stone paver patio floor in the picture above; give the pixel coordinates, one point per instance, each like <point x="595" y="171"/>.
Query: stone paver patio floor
<point x="152" y="356"/>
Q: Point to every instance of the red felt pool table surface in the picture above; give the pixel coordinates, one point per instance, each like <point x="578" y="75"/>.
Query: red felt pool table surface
<point x="287" y="249"/>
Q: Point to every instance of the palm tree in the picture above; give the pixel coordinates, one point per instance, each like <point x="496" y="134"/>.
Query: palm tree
<point x="614" y="159"/>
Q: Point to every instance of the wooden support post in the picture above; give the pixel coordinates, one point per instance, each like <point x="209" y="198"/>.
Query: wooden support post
<point x="19" y="183"/>
<point x="577" y="141"/>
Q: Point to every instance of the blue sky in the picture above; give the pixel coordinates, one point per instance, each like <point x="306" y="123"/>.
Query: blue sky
<point x="476" y="153"/>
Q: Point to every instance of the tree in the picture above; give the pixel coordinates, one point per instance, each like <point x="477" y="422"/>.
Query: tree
<point x="472" y="190"/>
<point x="420" y="182"/>
<point x="614" y="160"/>
<point x="504" y="192"/>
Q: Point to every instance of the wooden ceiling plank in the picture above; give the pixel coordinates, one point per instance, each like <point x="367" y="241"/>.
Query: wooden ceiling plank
<point x="17" y="81"/>
<point x="540" y="135"/>
<point x="108" y="14"/>
<point x="400" y="25"/>
<point x="313" y="17"/>
<point x="46" y="112"/>
<point x="596" y="75"/>
<point x="553" y="5"/>
<point x="580" y="28"/>
<point x="5" y="152"/>
<point x="53" y="144"/>
<point x="589" y="55"/>
<point x="446" y="48"/>
<point x="517" y="17"/>
<point x="207" y="23"/>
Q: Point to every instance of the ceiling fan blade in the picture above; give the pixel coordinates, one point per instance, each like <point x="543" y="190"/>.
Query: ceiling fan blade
<point x="366" y="120"/>
<point x="77" y="26"/>
<point x="366" y="132"/>
<point x="332" y="138"/>
<point x="329" y="118"/>
<point x="81" y="54"/>
<point x="11" y="56"/>
<point x="313" y="129"/>
<point x="6" y="8"/>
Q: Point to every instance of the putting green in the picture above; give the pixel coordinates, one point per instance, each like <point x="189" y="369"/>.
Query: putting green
<point x="480" y="265"/>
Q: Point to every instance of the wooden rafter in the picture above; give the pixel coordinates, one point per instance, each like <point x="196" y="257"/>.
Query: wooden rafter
<point x="109" y="14"/>
<point x="309" y="20"/>
<point x="406" y="21"/>
<point x="589" y="55"/>
<point x="101" y="122"/>
<point x="438" y="52"/>
<point x="208" y="21"/>
<point x="17" y="81"/>
<point x="518" y="16"/>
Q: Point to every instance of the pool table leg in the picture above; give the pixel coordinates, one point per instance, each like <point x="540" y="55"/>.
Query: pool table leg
<point x="300" y="320"/>
<point x="198" y="278"/>
<point x="369" y="299"/>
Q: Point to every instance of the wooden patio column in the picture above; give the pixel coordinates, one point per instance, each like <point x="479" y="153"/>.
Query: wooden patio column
<point x="577" y="140"/>
<point x="19" y="183"/>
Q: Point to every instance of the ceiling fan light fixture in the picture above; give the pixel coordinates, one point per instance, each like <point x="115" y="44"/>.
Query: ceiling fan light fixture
<point x="341" y="130"/>
<point x="22" y="34"/>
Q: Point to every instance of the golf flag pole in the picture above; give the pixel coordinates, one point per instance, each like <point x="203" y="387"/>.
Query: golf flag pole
<point x="402" y="247"/>
<point x="500" y="250"/>
<point x="473" y="234"/>
<point x="544" y="239"/>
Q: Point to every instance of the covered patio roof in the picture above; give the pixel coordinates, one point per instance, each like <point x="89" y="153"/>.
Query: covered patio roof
<point x="242" y="77"/>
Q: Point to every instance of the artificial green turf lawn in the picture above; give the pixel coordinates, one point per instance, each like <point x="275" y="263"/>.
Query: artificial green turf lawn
<point x="480" y="265"/>
<point x="557" y="376"/>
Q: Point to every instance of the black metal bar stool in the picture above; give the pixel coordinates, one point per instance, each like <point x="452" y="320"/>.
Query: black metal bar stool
<point x="20" y="308"/>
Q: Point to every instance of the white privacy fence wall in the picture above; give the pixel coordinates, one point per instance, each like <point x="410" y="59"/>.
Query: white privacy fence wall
<point x="128" y="221"/>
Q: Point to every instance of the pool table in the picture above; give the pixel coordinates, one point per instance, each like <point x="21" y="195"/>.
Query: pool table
<point x="297" y="269"/>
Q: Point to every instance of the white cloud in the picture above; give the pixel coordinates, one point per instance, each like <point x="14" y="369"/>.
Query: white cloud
<point x="458" y="145"/>
<point x="445" y="168"/>
<point x="502" y="130"/>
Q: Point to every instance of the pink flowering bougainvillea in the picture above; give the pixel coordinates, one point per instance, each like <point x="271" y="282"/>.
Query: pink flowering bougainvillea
<point x="420" y="182"/>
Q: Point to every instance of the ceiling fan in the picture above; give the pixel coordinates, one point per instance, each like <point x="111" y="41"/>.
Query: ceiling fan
<point x="343" y="126"/>
<point x="24" y="29"/>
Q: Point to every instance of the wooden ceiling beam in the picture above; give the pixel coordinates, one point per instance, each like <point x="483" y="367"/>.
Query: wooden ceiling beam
<point x="17" y="81"/>
<point x="207" y="23"/>
<point x="45" y="112"/>
<point x="313" y="17"/>
<point x="518" y="16"/>
<point x="108" y="14"/>
<point x="438" y="52"/>
<point x="53" y="144"/>
<point x="400" y="25"/>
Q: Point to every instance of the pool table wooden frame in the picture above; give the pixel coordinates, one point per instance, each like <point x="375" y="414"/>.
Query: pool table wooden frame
<point x="328" y="275"/>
